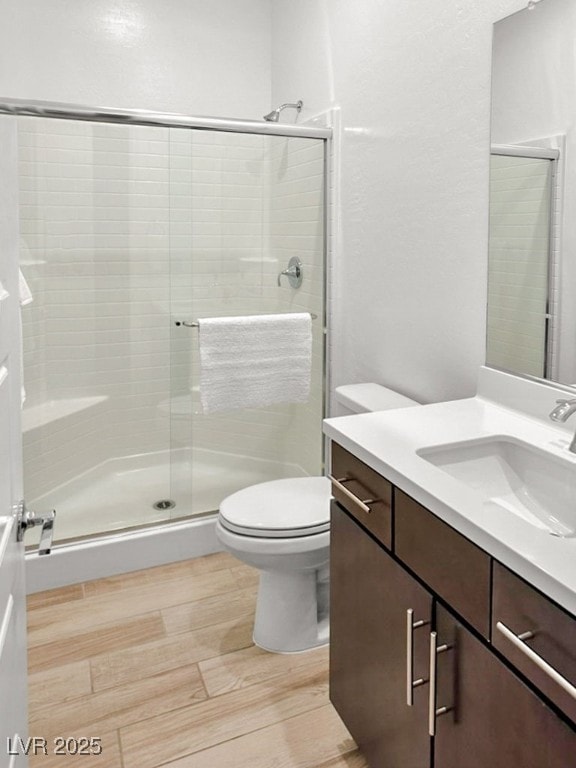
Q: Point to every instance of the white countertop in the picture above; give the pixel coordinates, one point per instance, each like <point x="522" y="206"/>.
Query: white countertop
<point x="388" y="440"/>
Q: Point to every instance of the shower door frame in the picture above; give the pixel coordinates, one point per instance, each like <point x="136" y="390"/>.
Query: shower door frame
<point x="551" y="332"/>
<point x="21" y="107"/>
<point x="75" y="112"/>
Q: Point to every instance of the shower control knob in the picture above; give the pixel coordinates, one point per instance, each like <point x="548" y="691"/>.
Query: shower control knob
<point x="293" y="272"/>
<point x="29" y="519"/>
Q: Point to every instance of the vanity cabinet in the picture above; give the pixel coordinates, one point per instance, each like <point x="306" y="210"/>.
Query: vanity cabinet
<point x="519" y="609"/>
<point x="493" y="718"/>
<point x="370" y="598"/>
<point x="354" y="484"/>
<point x="457" y="570"/>
<point x="413" y="669"/>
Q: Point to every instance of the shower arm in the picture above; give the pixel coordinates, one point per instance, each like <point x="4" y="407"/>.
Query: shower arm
<point x="297" y="106"/>
<point x="272" y="117"/>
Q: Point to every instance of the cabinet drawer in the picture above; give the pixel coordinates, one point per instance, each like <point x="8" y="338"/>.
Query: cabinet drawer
<point x="457" y="570"/>
<point x="493" y="720"/>
<point x="518" y="608"/>
<point x="365" y="494"/>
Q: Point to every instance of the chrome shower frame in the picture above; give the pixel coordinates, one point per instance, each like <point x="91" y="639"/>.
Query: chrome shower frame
<point x="89" y="551"/>
<point x="20" y="107"/>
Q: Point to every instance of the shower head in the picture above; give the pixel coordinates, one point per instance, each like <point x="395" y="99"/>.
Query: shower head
<point x="273" y="116"/>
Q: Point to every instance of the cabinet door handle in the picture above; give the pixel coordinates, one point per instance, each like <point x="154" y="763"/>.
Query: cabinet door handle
<point x="433" y="711"/>
<point x="362" y="503"/>
<point x="411" y="625"/>
<point x="519" y="642"/>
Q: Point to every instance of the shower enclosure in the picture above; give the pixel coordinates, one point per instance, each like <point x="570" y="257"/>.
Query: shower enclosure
<point x="129" y="229"/>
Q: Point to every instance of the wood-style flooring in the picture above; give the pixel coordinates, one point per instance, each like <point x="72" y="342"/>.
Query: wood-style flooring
<point x="160" y="666"/>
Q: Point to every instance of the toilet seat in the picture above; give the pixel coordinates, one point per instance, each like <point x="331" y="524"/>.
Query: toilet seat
<point x="293" y="507"/>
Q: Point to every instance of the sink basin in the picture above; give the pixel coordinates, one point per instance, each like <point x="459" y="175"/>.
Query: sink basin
<point x="516" y="476"/>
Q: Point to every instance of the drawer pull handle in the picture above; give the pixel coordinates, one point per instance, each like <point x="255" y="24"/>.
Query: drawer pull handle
<point x="434" y="712"/>
<point x="362" y="503"/>
<point x="411" y="625"/>
<point x="519" y="642"/>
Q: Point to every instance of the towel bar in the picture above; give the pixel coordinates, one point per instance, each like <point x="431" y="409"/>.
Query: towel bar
<point x="195" y="323"/>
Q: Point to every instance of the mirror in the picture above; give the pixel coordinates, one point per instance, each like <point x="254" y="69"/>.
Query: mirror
<point x="531" y="320"/>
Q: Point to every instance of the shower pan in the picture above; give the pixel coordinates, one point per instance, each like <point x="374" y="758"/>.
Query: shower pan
<point x="133" y="227"/>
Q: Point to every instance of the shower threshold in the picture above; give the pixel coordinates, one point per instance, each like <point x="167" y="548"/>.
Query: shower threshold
<point x="100" y="556"/>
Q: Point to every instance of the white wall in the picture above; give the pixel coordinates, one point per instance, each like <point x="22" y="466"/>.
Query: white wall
<point x="188" y="56"/>
<point x="413" y="83"/>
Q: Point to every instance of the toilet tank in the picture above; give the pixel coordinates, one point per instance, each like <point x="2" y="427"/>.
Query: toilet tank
<point x="365" y="398"/>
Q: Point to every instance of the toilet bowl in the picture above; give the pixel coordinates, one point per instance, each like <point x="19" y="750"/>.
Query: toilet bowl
<point x="282" y="527"/>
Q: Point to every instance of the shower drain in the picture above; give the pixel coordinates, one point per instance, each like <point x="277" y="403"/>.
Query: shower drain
<point x="164" y="504"/>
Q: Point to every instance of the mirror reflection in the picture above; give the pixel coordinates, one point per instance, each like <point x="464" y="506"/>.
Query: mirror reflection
<point x="531" y="321"/>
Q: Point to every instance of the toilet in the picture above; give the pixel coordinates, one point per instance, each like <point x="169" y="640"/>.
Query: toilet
<point x="282" y="527"/>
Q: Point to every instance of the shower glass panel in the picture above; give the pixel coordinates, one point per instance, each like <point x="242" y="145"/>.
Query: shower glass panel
<point x="125" y="230"/>
<point x="95" y="250"/>
<point x="241" y="207"/>
<point x="518" y="322"/>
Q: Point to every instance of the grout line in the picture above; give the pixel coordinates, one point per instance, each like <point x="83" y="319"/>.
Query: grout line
<point x="120" y="748"/>
<point x="170" y="669"/>
<point x="266" y="679"/>
<point x="110" y="624"/>
<point x="203" y="681"/>
<point x="92" y="690"/>
<point x="242" y="735"/>
<point x="168" y="711"/>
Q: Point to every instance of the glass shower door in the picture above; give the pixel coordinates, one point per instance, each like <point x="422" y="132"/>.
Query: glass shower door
<point x="128" y="231"/>
<point x="94" y="236"/>
<point x="520" y="309"/>
<point x="240" y="207"/>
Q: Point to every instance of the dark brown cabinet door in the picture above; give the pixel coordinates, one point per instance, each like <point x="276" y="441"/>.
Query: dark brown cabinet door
<point x="494" y="719"/>
<point x="370" y="597"/>
<point x="519" y="608"/>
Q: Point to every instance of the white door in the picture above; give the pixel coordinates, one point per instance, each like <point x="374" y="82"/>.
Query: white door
<point x="13" y="709"/>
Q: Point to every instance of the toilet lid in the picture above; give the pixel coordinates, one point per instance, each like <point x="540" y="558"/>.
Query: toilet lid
<point x="296" y="506"/>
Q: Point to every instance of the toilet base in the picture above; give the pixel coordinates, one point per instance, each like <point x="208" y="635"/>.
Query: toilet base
<point x="291" y="612"/>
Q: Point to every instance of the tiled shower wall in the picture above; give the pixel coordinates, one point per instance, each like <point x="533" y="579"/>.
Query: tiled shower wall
<point x="268" y="208"/>
<point x="127" y="229"/>
<point x="297" y="229"/>
<point x="95" y="251"/>
<point x="219" y="262"/>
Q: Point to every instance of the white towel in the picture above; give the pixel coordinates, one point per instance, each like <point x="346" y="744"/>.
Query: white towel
<point x="254" y="361"/>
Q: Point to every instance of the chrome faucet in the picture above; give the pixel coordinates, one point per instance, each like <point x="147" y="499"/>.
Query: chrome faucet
<point x="564" y="409"/>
